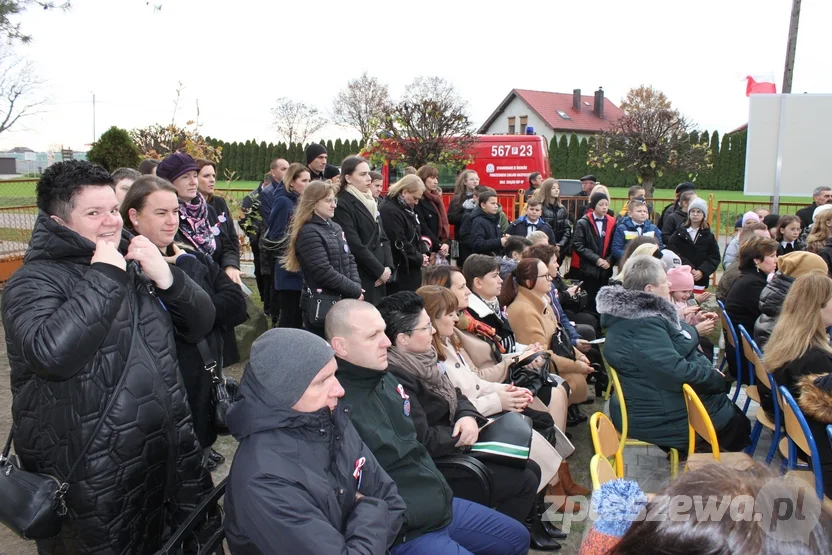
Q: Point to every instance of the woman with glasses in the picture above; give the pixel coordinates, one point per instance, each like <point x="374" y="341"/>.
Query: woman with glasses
<point x="317" y="247"/>
<point x="533" y="321"/>
<point x="398" y="216"/>
<point x="446" y="422"/>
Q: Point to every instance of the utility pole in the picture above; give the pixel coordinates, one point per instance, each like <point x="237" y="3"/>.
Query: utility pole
<point x="788" y="73"/>
<point x="93" y="118"/>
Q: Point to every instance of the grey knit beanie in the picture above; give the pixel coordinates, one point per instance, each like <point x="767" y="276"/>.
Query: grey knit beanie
<point x="285" y="361"/>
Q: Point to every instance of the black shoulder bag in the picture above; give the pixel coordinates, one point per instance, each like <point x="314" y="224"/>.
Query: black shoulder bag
<point x="225" y="390"/>
<point x="533" y="379"/>
<point x="32" y="504"/>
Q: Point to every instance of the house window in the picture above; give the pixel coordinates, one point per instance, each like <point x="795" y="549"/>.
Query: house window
<point x="511" y="129"/>
<point x="524" y="120"/>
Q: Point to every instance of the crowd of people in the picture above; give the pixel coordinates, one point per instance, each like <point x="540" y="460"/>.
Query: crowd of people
<point x="402" y="332"/>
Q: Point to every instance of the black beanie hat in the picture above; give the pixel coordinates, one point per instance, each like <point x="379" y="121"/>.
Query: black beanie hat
<point x="596" y="198"/>
<point x="686" y="186"/>
<point x="313" y="151"/>
<point x="331" y="171"/>
<point x="771" y="220"/>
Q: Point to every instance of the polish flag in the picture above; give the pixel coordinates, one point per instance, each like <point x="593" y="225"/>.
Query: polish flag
<point x="756" y="84"/>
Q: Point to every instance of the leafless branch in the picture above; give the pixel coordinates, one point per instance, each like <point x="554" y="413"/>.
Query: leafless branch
<point x="295" y="122"/>
<point x="19" y="90"/>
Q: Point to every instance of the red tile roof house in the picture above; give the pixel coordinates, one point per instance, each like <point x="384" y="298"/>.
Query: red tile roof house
<point x="551" y="114"/>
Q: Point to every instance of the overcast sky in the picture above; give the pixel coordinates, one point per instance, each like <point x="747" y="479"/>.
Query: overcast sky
<point x="236" y="57"/>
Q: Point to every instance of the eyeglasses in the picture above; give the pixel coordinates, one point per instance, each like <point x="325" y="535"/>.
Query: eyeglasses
<point x="424" y="328"/>
<point x="546" y="276"/>
<point x="332" y="201"/>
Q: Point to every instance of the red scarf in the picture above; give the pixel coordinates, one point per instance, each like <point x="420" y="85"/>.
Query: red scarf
<point x="444" y="225"/>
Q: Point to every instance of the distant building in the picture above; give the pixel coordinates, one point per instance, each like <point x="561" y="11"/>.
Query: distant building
<point x="552" y="114"/>
<point x="27" y="161"/>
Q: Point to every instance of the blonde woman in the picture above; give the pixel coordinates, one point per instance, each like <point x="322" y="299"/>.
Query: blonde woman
<point x="401" y="224"/>
<point x="800" y="357"/>
<point x="821" y="231"/>
<point x="555" y="214"/>
<point x="316" y="246"/>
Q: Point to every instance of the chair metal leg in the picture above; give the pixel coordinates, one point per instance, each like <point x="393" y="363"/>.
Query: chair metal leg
<point x="775" y="440"/>
<point x="755" y="437"/>
<point x="608" y="391"/>
<point x="747" y="404"/>
<point x="674" y="463"/>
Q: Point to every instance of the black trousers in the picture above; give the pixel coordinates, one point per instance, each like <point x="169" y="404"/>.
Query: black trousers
<point x="268" y="291"/>
<point x="736" y="435"/>
<point x="515" y="489"/>
<point x="288" y="303"/>
<point x="258" y="277"/>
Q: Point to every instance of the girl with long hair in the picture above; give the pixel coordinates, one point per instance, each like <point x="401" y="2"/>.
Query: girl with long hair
<point x="410" y="252"/>
<point x="287" y="286"/>
<point x="788" y="235"/>
<point x="555" y="214"/>
<point x="462" y="202"/>
<point x="821" y="232"/>
<point x="800" y="357"/>
<point x="316" y="246"/>
<point x="432" y="213"/>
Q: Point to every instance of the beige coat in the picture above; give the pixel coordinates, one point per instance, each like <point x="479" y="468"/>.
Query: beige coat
<point x="483" y="362"/>
<point x="534" y="321"/>
<point x="483" y="395"/>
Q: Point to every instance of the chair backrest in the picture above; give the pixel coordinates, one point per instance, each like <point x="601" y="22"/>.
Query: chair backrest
<point x="799" y="433"/>
<point x="619" y="394"/>
<point x="699" y="422"/>
<point x="829" y="432"/>
<point x="727" y="325"/>
<point x="601" y="471"/>
<point x="751" y="355"/>
<point x="605" y="438"/>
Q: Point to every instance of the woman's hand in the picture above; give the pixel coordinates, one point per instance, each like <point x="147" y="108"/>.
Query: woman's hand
<point x="697" y="275"/>
<point x="385" y="276"/>
<point x="584" y="367"/>
<point x="583" y="345"/>
<point x="235" y="274"/>
<point x="444" y="249"/>
<point x="602" y="264"/>
<point x="705" y="326"/>
<point x="513" y="398"/>
<point x="177" y="252"/>
<point x="425" y="260"/>
<point x="107" y="253"/>
<point x="467" y="430"/>
<point x="151" y="261"/>
<point x="702" y="297"/>
<point x="573" y="290"/>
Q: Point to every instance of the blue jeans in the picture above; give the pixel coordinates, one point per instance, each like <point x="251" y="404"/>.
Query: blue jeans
<point x="475" y="529"/>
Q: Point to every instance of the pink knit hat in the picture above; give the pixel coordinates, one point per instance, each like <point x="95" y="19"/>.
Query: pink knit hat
<point x="750" y="217"/>
<point x="680" y="279"/>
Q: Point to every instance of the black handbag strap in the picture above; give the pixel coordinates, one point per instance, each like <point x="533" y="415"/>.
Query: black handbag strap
<point x="65" y="484"/>
<point x="208" y="360"/>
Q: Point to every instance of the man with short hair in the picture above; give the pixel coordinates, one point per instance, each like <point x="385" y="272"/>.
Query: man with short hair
<point x="535" y="179"/>
<point x="531" y="221"/>
<point x="302" y="481"/>
<point x="316" y="157"/>
<point x="655" y="353"/>
<point x="676" y="218"/>
<point x="434" y="521"/>
<point x="821" y="195"/>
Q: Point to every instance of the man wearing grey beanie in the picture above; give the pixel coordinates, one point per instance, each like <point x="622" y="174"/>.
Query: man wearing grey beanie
<point x="302" y="481"/>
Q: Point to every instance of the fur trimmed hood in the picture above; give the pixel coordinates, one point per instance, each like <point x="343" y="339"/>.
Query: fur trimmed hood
<point x="815" y="402"/>
<point x="633" y="305"/>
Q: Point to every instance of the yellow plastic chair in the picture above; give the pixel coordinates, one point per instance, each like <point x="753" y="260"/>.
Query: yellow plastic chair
<point x="601" y="471"/>
<point x="699" y="423"/>
<point x="606" y="441"/>
<point x="619" y="393"/>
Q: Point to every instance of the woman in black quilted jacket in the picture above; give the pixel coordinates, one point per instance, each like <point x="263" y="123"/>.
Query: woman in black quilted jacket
<point x="152" y="210"/>
<point x="318" y="248"/>
<point x="69" y="314"/>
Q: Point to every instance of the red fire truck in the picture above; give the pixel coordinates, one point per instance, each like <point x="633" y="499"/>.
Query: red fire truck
<point x="503" y="162"/>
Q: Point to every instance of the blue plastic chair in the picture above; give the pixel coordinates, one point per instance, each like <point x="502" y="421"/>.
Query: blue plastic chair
<point x="731" y="336"/>
<point x="755" y="358"/>
<point x="800" y="436"/>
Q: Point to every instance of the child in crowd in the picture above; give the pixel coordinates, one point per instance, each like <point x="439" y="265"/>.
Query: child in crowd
<point x="680" y="285"/>
<point x="636" y="191"/>
<point x="592" y="247"/>
<point x="538" y="238"/>
<point x="788" y="233"/>
<point x="696" y="245"/>
<point x="512" y="253"/>
<point x="636" y="223"/>
<point x="532" y="221"/>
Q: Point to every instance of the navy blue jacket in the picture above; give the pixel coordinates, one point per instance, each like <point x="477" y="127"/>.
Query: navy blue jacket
<point x="625" y="230"/>
<point x="284" y="206"/>
<point x="521" y="225"/>
<point x="485" y="233"/>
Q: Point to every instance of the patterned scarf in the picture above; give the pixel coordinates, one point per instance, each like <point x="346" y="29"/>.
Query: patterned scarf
<point x="444" y="225"/>
<point x="482" y="331"/>
<point x="194" y="225"/>
<point x="425" y="367"/>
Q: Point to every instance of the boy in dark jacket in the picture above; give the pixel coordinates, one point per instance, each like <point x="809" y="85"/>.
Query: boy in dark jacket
<point x="673" y="219"/>
<point x="636" y="223"/>
<point x="434" y="521"/>
<point x="592" y="248"/>
<point x="302" y="480"/>
<point x="485" y="235"/>
<point x="531" y="222"/>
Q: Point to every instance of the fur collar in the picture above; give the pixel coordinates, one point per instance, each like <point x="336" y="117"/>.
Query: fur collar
<point x="815" y="402"/>
<point x="633" y="305"/>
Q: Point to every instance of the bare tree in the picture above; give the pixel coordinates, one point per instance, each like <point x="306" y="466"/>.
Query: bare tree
<point x="649" y="139"/>
<point x="19" y="90"/>
<point x="360" y="105"/>
<point x="10" y="8"/>
<point x="430" y="124"/>
<point x="294" y="121"/>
